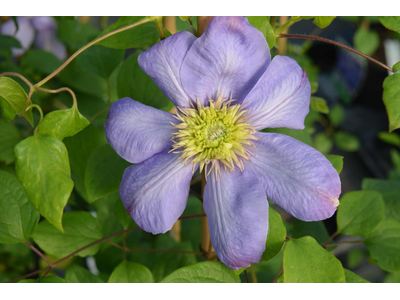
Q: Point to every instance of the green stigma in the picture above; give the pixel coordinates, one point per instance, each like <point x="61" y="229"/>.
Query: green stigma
<point x="216" y="136"/>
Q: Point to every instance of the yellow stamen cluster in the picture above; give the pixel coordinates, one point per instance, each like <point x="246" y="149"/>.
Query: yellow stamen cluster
<point x="214" y="136"/>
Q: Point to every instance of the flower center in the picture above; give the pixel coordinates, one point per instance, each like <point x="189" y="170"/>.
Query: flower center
<point x="215" y="136"/>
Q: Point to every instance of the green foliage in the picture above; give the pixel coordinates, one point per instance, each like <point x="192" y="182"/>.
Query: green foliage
<point x="352" y="277"/>
<point x="346" y="141"/>
<point x="390" y="138"/>
<point x="80" y="147"/>
<point x="47" y="279"/>
<point x="336" y="115"/>
<point x="392" y="23"/>
<point x="103" y="173"/>
<point x="136" y="37"/>
<point x="316" y="230"/>
<point x="336" y="161"/>
<point x="390" y="191"/>
<point x="304" y="260"/>
<point x="18" y="217"/>
<point x="276" y="235"/>
<point x="366" y="41"/>
<point x="396" y="67"/>
<point x="323" y="143"/>
<point x="42" y="167"/>
<point x="12" y="100"/>
<point x="100" y="60"/>
<point x="9" y="137"/>
<point x="321" y="22"/>
<point x="129" y="272"/>
<point x="262" y="24"/>
<point x="391" y="98"/>
<point x="134" y="83"/>
<point x="166" y="263"/>
<point x="63" y="123"/>
<point x="360" y="212"/>
<point x="40" y="61"/>
<point x="383" y="243"/>
<point x="80" y="229"/>
<point x="74" y="34"/>
<point x="319" y="105"/>
<point x="204" y="272"/>
<point x="77" y="274"/>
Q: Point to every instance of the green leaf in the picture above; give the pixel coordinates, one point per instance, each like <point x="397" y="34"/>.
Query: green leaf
<point x="392" y="278"/>
<point x="134" y="83"/>
<point x="319" y="104"/>
<point x="169" y="262"/>
<point x="396" y="67"/>
<point x="77" y="274"/>
<point x="12" y="100"/>
<point x="276" y="235"/>
<point x="323" y="143"/>
<point x="353" y="277"/>
<point x="80" y="147"/>
<point x="354" y="258"/>
<point x="130" y="272"/>
<point x="185" y="18"/>
<point x="391" y="98"/>
<point x="18" y="217"/>
<point x="383" y="243"/>
<point x="336" y="161"/>
<point x="140" y="36"/>
<point x="42" y="167"/>
<point x="346" y="141"/>
<point x="304" y="260"/>
<point x="263" y="25"/>
<point x="366" y="41"/>
<point x="47" y="279"/>
<point x="40" y="61"/>
<point x="103" y="173"/>
<point x="74" y="34"/>
<point x="123" y="217"/>
<point x="316" y="230"/>
<point x="7" y="42"/>
<point x="392" y="23"/>
<point x="321" y="22"/>
<point x="80" y="229"/>
<point x="100" y="60"/>
<point x="63" y="123"/>
<point x="9" y="137"/>
<point x="390" y="138"/>
<point x="390" y="191"/>
<point x="360" y="212"/>
<point x="81" y="80"/>
<point x="51" y="279"/>
<point x="204" y="272"/>
<point x="336" y="115"/>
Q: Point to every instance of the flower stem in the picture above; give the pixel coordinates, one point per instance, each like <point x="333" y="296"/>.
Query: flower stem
<point x="41" y="115"/>
<point x="99" y="39"/>
<point x="90" y="245"/>
<point x="282" y="43"/>
<point x="317" y="38"/>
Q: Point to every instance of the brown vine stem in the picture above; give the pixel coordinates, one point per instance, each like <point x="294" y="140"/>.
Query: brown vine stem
<point x="17" y="75"/>
<point x="99" y="39"/>
<point x="246" y="276"/>
<point x="90" y="245"/>
<point x="38" y="253"/>
<point x="317" y="38"/>
<point x="59" y="91"/>
<point x="343" y="243"/>
<point x="153" y="250"/>
<point x="330" y="239"/>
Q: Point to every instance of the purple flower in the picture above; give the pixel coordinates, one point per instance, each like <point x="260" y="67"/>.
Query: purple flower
<point x="226" y="88"/>
<point x="46" y="37"/>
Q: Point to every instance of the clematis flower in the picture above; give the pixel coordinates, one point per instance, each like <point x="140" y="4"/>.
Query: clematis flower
<point x="226" y="89"/>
